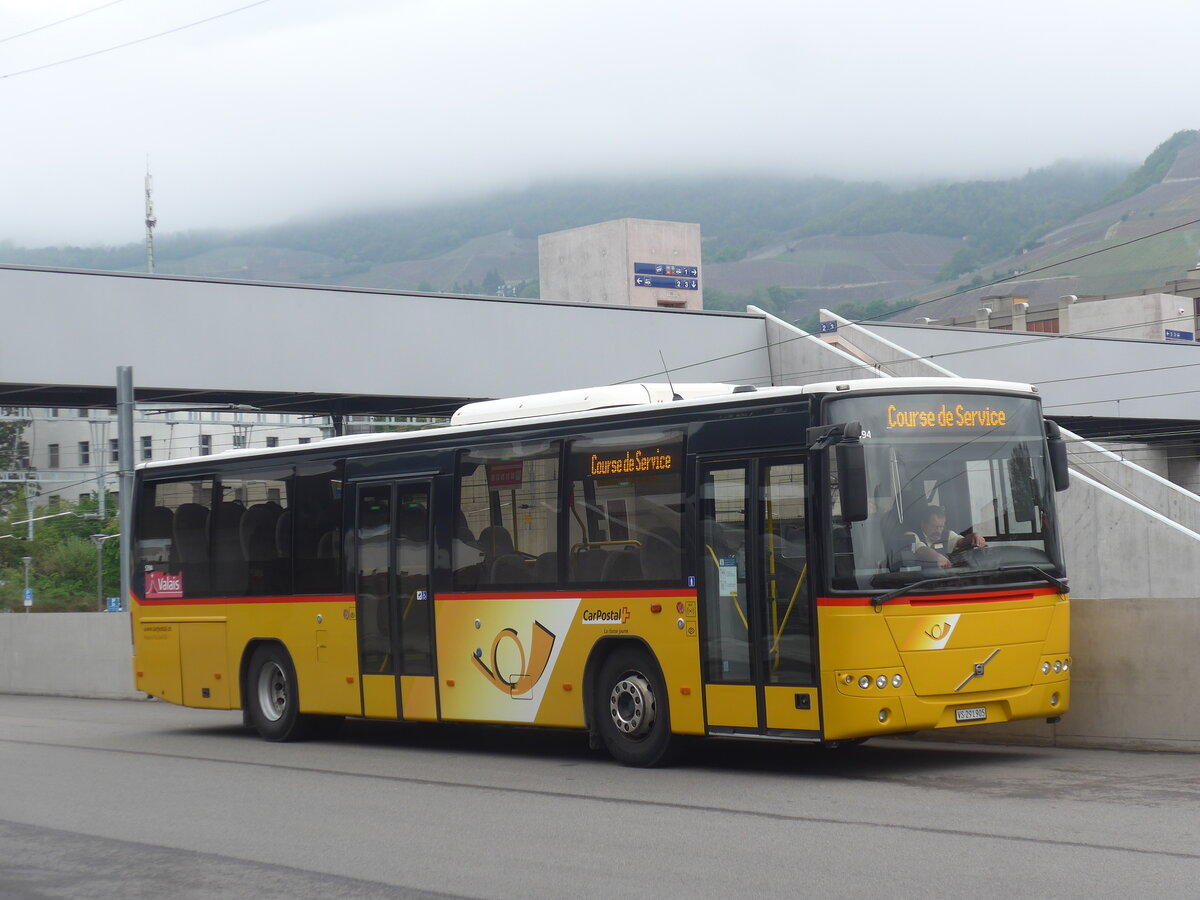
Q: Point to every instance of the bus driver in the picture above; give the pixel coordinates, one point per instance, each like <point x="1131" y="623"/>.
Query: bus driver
<point x="933" y="544"/>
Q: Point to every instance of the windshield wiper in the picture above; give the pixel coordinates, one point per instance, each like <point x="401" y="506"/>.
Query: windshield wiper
<point x="1052" y="580"/>
<point x="1056" y="582"/>
<point x="880" y="599"/>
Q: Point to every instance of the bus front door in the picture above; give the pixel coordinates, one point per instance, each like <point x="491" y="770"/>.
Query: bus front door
<point x="759" y="648"/>
<point x="394" y="603"/>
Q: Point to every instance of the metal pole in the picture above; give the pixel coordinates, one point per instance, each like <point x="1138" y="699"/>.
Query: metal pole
<point x="125" y="452"/>
<point x="98" y="540"/>
<point x="27" y="560"/>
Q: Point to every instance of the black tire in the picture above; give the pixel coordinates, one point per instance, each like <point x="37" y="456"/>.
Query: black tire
<point x="631" y="712"/>
<point x="273" y="697"/>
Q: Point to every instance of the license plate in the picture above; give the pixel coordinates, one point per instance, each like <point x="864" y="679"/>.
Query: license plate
<point x="971" y="714"/>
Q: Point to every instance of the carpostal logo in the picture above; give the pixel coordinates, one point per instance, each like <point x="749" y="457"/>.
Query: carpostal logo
<point x="606" y="616"/>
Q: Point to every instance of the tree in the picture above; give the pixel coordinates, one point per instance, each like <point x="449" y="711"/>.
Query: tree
<point x="63" y="568"/>
<point x="10" y="454"/>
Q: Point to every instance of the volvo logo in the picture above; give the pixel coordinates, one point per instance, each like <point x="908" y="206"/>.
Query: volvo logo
<point x="978" y="670"/>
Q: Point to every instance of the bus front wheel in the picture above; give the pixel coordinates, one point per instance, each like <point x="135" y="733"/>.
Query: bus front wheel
<point x="630" y="709"/>
<point x="272" y="697"/>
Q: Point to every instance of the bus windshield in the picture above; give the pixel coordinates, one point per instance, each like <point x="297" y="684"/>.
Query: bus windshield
<point x="958" y="485"/>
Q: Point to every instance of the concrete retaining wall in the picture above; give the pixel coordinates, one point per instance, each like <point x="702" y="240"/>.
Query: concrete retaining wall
<point x="67" y="655"/>
<point x="1133" y="682"/>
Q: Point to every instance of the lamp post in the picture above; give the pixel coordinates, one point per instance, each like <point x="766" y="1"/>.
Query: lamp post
<point x="98" y="540"/>
<point x="28" y="590"/>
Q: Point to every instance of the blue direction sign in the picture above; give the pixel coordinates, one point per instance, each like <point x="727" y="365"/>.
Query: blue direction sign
<point x="664" y="269"/>
<point x="828" y="326"/>
<point x="114" y="604"/>
<point x="1173" y="335"/>
<point x="660" y="281"/>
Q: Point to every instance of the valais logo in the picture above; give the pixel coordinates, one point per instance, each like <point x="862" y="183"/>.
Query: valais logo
<point x="163" y="585"/>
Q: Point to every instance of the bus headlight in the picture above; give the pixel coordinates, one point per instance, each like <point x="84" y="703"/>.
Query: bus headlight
<point x="881" y="682"/>
<point x="1046" y="668"/>
<point x="1057" y="666"/>
<point x="864" y="682"/>
<point x="897" y="681"/>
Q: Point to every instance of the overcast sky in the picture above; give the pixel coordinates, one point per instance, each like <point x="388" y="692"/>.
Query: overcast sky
<point x="291" y="107"/>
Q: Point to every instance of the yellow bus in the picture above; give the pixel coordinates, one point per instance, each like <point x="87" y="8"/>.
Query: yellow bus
<point x="639" y="562"/>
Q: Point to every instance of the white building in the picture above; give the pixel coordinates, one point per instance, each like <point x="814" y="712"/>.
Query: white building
<point x="66" y="453"/>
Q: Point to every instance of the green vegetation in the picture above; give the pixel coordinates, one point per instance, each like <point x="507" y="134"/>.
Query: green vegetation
<point x="855" y="312"/>
<point x="63" y="567"/>
<point x="993" y="218"/>
<point x="1153" y="170"/>
<point x="775" y="300"/>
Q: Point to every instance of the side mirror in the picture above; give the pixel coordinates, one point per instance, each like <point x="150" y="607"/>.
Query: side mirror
<point x="852" y="480"/>
<point x="1058" y="456"/>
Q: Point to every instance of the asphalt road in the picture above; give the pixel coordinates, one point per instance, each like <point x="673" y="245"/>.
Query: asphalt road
<point x="141" y="799"/>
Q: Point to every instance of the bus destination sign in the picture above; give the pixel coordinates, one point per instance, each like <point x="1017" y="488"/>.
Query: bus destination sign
<point x="944" y="416"/>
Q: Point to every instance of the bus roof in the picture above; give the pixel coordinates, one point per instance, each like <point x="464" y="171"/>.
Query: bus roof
<point x="604" y="400"/>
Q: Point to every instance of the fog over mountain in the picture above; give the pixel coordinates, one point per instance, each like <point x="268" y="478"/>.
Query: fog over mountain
<point x="254" y="113"/>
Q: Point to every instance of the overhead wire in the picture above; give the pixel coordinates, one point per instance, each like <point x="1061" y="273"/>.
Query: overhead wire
<point x="78" y="15"/>
<point x="141" y="40"/>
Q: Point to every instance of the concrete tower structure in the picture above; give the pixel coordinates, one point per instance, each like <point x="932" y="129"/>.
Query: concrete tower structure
<point x="626" y="262"/>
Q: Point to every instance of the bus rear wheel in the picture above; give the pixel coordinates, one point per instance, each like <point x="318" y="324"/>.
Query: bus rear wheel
<point x="272" y="696"/>
<point x="630" y="709"/>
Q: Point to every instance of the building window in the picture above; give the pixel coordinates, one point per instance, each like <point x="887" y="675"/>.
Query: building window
<point x="54" y="413"/>
<point x="305" y="440"/>
<point x="114" y="450"/>
<point x="85" y="454"/>
<point x="147" y="447"/>
<point x="239" y="442"/>
<point x="53" y="448"/>
<point x="206" y="445"/>
<point x="82" y="413"/>
<point x="1048" y="326"/>
<point x="85" y="498"/>
<point x="272" y="441"/>
<point x="55" y="500"/>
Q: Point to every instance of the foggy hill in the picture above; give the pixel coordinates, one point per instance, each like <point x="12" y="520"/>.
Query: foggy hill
<point x="791" y="245"/>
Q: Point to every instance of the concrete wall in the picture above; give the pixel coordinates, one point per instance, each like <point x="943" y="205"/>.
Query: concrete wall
<point x="594" y="264"/>
<point x="1133" y="679"/>
<point x="67" y="654"/>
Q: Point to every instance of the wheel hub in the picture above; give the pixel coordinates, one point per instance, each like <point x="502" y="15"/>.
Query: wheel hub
<point x="272" y="692"/>
<point x="631" y="705"/>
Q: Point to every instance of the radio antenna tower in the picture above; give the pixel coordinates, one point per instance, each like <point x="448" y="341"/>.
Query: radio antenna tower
<point x="150" y="220"/>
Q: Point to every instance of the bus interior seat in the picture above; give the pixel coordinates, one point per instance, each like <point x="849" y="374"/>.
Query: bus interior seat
<point x="660" y="555"/>
<point x="589" y="563"/>
<point x="257" y="532"/>
<point x="622" y="565"/>
<point x="510" y="569"/>
<point x="191" y="547"/>
<point x="283" y="535"/>
<point x="495" y="541"/>
<point x="229" y="570"/>
<point x="545" y="568"/>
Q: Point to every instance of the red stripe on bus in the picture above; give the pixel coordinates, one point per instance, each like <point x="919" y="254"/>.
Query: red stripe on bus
<point x="942" y="599"/>
<point x="227" y="601"/>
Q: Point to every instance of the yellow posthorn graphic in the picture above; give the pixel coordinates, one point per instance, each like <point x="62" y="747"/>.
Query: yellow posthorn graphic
<point x="523" y="680"/>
